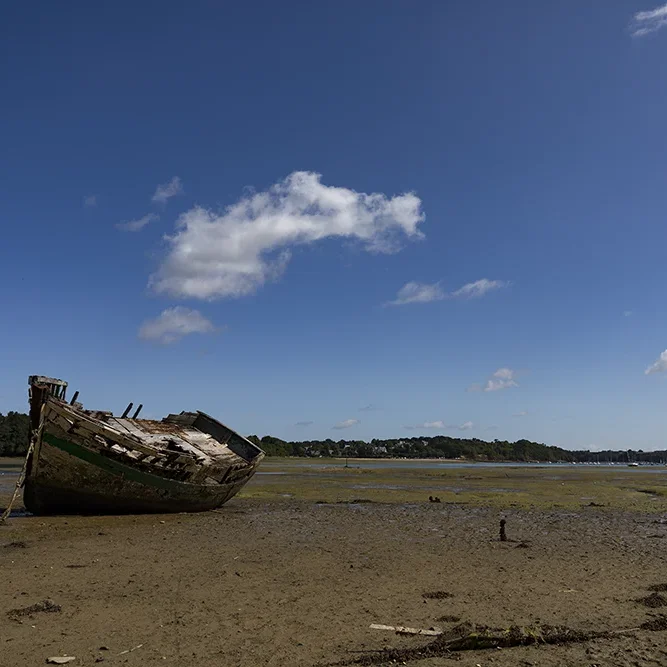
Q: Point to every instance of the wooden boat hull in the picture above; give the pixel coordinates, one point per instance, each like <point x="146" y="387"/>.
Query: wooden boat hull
<point x="82" y="464"/>
<point x="72" y="479"/>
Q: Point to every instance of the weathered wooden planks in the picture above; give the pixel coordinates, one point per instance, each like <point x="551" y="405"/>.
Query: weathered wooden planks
<point x="186" y="462"/>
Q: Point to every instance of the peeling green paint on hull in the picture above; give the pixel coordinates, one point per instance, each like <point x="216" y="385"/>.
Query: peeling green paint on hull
<point x="70" y="478"/>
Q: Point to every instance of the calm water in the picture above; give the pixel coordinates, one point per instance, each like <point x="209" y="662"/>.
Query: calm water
<point x="8" y="480"/>
<point x="380" y="464"/>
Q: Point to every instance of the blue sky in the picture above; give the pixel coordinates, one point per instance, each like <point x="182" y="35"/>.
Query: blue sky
<point x="370" y="215"/>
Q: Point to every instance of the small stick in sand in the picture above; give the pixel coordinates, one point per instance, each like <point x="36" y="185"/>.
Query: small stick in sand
<point x="503" y="536"/>
<point x="402" y="630"/>
<point x="129" y="650"/>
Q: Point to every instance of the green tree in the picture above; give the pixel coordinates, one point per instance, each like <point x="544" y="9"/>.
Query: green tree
<point x="14" y="434"/>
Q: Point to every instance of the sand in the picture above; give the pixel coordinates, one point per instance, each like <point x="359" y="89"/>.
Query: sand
<point x="289" y="581"/>
<point x="294" y="583"/>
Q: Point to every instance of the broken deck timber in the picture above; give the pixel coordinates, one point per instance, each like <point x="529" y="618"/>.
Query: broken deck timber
<point x="88" y="461"/>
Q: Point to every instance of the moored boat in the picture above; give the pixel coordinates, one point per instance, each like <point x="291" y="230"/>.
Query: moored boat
<point x="92" y="462"/>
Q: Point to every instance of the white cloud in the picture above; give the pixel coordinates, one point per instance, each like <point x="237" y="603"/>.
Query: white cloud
<point x="346" y="424"/>
<point x="168" y="190"/>
<point x="627" y="313"/>
<point x="426" y="425"/>
<point x="414" y="292"/>
<point x="658" y="366"/>
<point x="233" y="253"/>
<point x="137" y="225"/>
<point x="174" y="323"/>
<point x="523" y="413"/>
<point x="649" y="21"/>
<point x="503" y="378"/>
<point x="90" y="201"/>
<point x="435" y="424"/>
<point x="369" y="408"/>
<point x="306" y="423"/>
<point x="479" y="288"/>
<point x="466" y="426"/>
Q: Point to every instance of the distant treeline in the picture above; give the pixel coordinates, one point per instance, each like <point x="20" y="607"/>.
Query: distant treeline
<point x="14" y="428"/>
<point x="441" y="446"/>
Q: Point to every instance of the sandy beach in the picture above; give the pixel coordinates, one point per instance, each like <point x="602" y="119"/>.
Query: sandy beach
<point x="296" y="581"/>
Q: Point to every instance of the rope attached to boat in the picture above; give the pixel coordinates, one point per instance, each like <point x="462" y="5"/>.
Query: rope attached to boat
<point x="19" y="484"/>
<point x="35" y="437"/>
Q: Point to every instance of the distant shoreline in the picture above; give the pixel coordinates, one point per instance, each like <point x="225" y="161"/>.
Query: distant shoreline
<point x="351" y="459"/>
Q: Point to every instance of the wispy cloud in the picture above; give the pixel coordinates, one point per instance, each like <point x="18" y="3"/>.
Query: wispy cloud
<point x="346" y="424"/>
<point x="493" y="427"/>
<point x="466" y="426"/>
<point x="234" y="252"/>
<point x="173" y="324"/>
<point x="414" y="292"/>
<point x="430" y="425"/>
<point x="627" y="313"/>
<point x="479" y="288"/>
<point x="306" y="423"/>
<point x="139" y="224"/>
<point x="659" y="365"/>
<point x="648" y="21"/>
<point x="90" y="201"/>
<point x="523" y="413"/>
<point x="371" y="407"/>
<point x="440" y="425"/>
<point x="503" y="378"/>
<point x="164" y="192"/>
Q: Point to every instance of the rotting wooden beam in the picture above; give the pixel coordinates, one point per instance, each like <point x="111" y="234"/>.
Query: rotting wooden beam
<point x="127" y="439"/>
<point x="83" y="424"/>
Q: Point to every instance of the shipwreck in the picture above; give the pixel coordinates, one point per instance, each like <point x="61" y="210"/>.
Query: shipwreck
<point x="92" y="462"/>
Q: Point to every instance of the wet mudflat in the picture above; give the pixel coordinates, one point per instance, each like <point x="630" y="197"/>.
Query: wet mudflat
<point x="500" y="486"/>
<point x="298" y="581"/>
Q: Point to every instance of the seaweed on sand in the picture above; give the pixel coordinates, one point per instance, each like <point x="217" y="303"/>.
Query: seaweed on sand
<point x="656" y="624"/>
<point x="46" y="606"/>
<point x="18" y="544"/>
<point x="471" y="637"/>
<point x="658" y="588"/>
<point x="653" y="601"/>
<point x="437" y="595"/>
